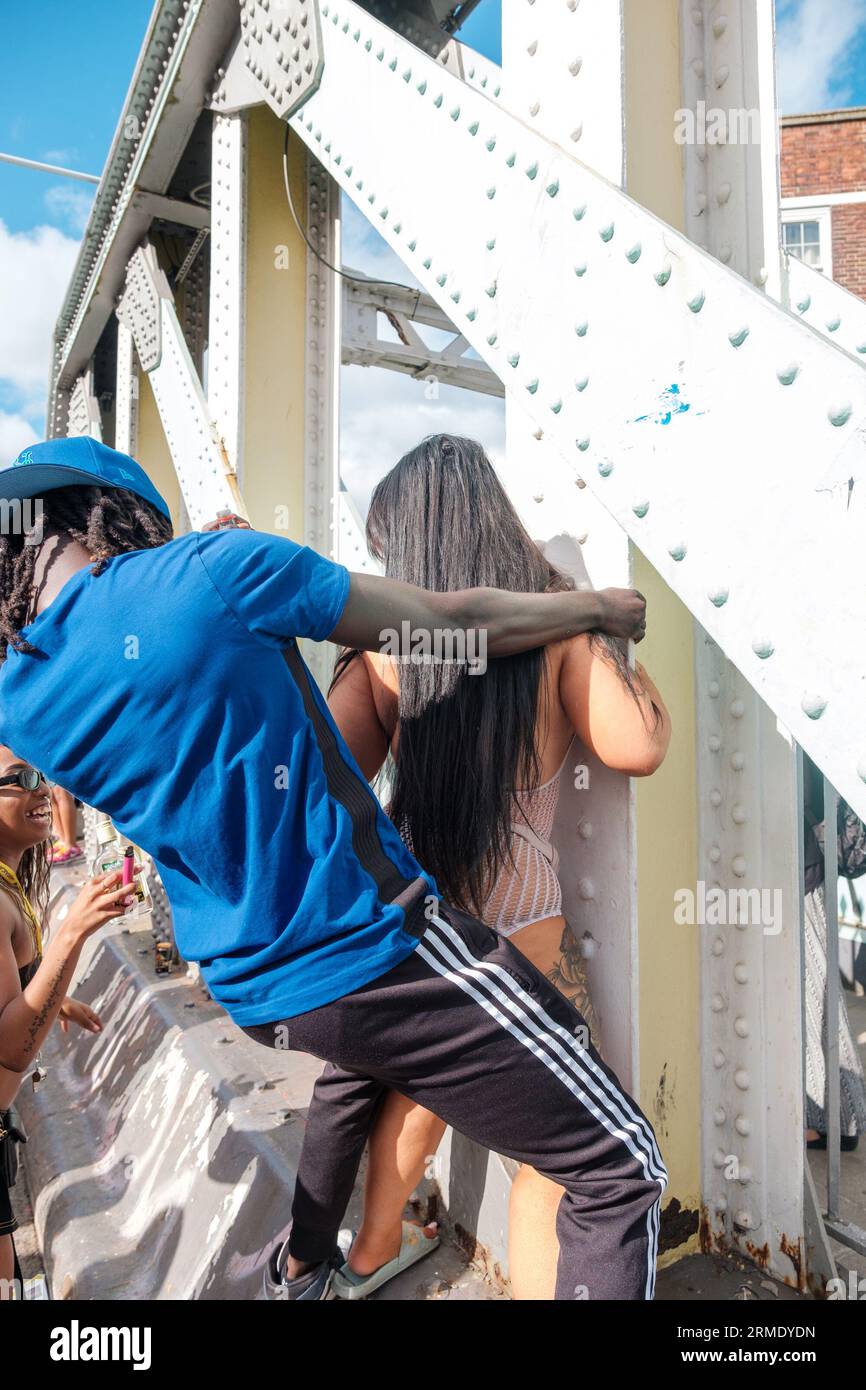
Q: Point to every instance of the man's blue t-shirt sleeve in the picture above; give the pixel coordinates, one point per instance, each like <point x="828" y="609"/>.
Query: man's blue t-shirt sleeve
<point x="275" y="588"/>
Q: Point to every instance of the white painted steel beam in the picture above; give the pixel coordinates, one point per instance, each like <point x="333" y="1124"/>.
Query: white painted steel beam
<point x="147" y="310"/>
<point x="84" y="415"/>
<point x="696" y="409"/>
<point x="365" y="299"/>
<point x="225" y="365"/>
<point x="126" y="394"/>
<point x="825" y="306"/>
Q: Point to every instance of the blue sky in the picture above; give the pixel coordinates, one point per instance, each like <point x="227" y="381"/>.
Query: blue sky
<point x="64" y="72"/>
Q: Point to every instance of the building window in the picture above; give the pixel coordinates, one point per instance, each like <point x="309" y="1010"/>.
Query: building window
<point x="803" y="240"/>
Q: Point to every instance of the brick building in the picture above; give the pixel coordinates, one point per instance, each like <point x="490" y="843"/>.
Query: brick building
<point x="823" y="159"/>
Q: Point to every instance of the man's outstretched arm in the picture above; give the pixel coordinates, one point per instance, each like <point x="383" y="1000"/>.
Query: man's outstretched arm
<point x="512" y="622"/>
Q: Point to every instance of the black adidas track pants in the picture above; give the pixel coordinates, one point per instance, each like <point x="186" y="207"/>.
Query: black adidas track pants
<point x="470" y="1029"/>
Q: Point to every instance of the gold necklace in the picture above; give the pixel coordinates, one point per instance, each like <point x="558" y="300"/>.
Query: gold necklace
<point x="9" y="876"/>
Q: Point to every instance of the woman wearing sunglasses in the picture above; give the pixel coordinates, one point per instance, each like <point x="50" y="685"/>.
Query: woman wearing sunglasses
<point x="33" y="980"/>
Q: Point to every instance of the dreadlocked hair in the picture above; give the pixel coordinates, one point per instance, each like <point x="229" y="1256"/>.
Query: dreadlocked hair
<point x="106" y="521"/>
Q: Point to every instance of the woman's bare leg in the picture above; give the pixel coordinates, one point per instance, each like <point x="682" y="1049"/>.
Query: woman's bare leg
<point x="63" y="807"/>
<point x="404" y="1137"/>
<point x="533" y="1246"/>
<point x="7" y="1265"/>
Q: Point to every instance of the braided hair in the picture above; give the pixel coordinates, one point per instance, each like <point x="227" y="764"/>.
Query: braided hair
<point x="106" y="521"/>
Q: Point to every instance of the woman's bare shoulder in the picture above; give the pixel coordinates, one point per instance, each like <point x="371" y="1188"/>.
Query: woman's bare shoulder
<point x="384" y="683"/>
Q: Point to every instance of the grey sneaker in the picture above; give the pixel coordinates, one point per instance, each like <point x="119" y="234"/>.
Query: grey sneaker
<point x="314" y="1285"/>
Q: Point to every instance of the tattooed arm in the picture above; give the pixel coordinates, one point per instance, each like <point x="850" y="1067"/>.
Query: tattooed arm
<point x="26" y="1015"/>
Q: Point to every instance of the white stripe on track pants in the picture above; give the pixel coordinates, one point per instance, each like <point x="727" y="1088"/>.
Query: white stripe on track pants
<point x="467" y="1027"/>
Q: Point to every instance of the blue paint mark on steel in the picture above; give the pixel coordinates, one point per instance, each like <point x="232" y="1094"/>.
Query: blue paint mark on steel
<point x="671" y="403"/>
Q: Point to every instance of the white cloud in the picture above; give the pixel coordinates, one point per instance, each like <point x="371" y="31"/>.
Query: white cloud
<point x="15" y="434"/>
<point x="383" y="414"/>
<point x="35" y="268"/>
<point x="813" y="52"/>
<point x="69" y="206"/>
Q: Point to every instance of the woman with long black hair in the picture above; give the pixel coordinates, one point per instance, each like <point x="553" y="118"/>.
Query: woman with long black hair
<point x="476" y="766"/>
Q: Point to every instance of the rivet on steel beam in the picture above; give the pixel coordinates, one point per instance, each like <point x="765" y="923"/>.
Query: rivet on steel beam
<point x="513" y="359"/>
<point x="715" y="798"/>
<point x="714" y="743"/>
<point x="490" y="144"/>
<point x="804" y="304"/>
<point x="762" y="647"/>
<point x="839" y="413"/>
<point x="580" y="212"/>
<point x="491" y="243"/>
<point x="583" y="444"/>
<point x="738" y="761"/>
<point x="633" y="253"/>
<point x="581" y="383"/>
<point x="813" y="705"/>
<point x="678" y="550"/>
<point x="491" y="192"/>
<point x="454" y="113"/>
<point x="738" y="336"/>
<point x="788" y="374"/>
<point x="580" y="268"/>
<point x="491" y="290"/>
<point x="493" y="339"/>
<point x="606" y="232"/>
<point x="738" y="709"/>
<point x="718" y="597"/>
<point x="662" y="276"/>
<point x="605" y="467"/>
<point x="697" y="301"/>
<point x="552" y="188"/>
<point x="532" y="386"/>
<point x="581" y="328"/>
<point x="741" y="973"/>
<point x="641" y="508"/>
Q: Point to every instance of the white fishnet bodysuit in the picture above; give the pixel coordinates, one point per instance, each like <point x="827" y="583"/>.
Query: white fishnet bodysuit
<point x="527" y="888"/>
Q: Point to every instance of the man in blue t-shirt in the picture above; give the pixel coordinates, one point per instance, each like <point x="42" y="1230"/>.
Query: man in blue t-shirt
<point x="160" y="680"/>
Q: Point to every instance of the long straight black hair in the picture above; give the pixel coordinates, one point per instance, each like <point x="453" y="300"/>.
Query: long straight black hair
<point x="442" y="520"/>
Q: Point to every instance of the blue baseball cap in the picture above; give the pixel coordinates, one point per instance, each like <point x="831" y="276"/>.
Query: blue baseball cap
<point x="65" y="462"/>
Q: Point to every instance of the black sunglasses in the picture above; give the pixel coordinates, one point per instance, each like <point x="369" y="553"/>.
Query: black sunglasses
<point x="28" y="779"/>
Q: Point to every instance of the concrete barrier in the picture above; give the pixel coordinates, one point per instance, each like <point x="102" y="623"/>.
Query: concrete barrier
<point x="163" y="1151"/>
